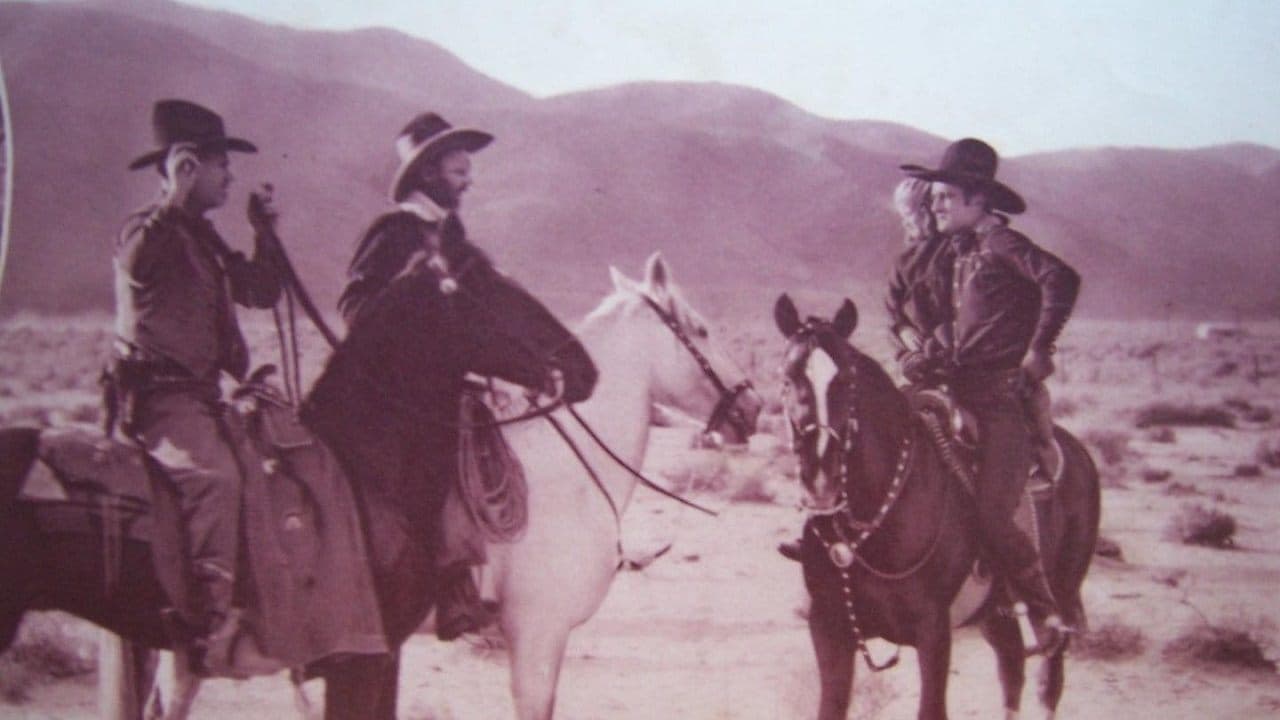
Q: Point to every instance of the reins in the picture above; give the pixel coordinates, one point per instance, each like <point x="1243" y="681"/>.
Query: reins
<point x="843" y="551"/>
<point x="639" y="476"/>
<point x="449" y="284"/>
<point x="295" y="289"/>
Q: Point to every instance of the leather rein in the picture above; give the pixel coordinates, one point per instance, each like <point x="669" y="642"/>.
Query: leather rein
<point x="725" y="409"/>
<point x="851" y="533"/>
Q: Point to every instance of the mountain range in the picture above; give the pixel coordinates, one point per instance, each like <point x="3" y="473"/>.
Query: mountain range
<point x="744" y="192"/>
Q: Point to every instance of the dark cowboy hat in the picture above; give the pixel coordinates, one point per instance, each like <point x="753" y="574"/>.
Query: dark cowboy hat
<point x="425" y="137"/>
<point x="971" y="164"/>
<point x="180" y="121"/>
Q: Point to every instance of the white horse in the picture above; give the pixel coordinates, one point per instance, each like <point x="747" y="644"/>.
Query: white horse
<point x="556" y="575"/>
<point x="650" y="347"/>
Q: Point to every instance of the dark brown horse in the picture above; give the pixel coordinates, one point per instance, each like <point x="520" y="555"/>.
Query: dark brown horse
<point x="385" y="405"/>
<point x="893" y="535"/>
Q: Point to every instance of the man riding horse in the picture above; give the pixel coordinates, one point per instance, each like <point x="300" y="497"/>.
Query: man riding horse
<point x="434" y="172"/>
<point x="176" y="283"/>
<point x="998" y="303"/>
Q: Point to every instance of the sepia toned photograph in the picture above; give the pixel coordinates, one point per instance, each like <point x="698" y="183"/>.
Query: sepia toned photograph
<point x="466" y="361"/>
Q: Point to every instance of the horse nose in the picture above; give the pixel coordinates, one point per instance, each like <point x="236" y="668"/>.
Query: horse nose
<point x="739" y="423"/>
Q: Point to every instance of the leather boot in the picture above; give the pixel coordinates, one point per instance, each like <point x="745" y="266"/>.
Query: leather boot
<point x="459" y="609"/>
<point x="791" y="550"/>
<point x="212" y="650"/>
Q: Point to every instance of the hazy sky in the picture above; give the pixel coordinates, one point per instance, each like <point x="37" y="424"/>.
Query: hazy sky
<point x="1026" y="75"/>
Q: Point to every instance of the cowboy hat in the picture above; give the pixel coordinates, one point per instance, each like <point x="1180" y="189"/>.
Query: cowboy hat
<point x="428" y="136"/>
<point x="180" y="121"/>
<point x="971" y="164"/>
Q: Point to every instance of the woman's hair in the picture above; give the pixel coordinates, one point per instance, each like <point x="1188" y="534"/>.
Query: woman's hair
<point x="911" y="200"/>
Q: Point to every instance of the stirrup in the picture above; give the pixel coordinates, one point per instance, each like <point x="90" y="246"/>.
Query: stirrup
<point x="1056" y="633"/>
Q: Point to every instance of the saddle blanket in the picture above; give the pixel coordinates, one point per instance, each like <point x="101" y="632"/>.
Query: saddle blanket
<point x="312" y="593"/>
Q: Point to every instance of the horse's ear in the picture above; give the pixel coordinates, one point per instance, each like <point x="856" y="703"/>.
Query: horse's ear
<point x="846" y="319"/>
<point x="657" y="276"/>
<point x="786" y="316"/>
<point x="622" y="282"/>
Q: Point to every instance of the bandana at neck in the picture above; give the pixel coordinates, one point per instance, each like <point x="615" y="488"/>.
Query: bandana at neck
<point x="424" y="207"/>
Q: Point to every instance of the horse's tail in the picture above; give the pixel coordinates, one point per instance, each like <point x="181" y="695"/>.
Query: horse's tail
<point x="18" y="447"/>
<point x="1081" y="498"/>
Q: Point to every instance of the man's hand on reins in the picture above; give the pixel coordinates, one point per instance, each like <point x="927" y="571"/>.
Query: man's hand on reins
<point x="261" y="210"/>
<point x="923" y="364"/>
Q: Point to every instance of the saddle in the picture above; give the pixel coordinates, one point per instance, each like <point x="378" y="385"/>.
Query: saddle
<point x="305" y="581"/>
<point x="957" y="435"/>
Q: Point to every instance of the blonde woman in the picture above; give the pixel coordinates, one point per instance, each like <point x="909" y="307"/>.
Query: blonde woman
<point x="919" y="302"/>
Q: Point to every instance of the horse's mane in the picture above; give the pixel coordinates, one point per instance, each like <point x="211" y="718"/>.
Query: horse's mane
<point x="620" y="298"/>
<point x="872" y="377"/>
<point x="372" y="357"/>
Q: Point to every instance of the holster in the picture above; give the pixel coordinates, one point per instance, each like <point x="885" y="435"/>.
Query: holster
<point x="132" y="375"/>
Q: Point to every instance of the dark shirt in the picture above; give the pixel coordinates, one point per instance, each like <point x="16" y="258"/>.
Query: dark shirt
<point x="175" y="282"/>
<point x="919" y="296"/>
<point x="1008" y="295"/>
<point x="385" y="251"/>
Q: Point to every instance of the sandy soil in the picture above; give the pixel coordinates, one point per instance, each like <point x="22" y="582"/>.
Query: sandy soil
<point x="711" y="630"/>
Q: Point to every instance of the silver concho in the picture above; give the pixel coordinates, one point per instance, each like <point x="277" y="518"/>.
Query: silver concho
<point x="841" y="555"/>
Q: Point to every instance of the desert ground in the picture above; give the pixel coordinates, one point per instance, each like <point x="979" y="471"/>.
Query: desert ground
<point x="1183" y="430"/>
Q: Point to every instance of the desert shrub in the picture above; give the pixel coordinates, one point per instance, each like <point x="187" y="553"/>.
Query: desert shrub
<point x="1247" y="410"/>
<point x="1180" y="489"/>
<point x="1108" y="548"/>
<point x="1268" y="452"/>
<point x="1226" y="369"/>
<point x="1112" y="640"/>
<point x="1155" y="475"/>
<point x="772" y="424"/>
<point x="1232" y="645"/>
<point x="43" y="652"/>
<point x="1064" y="407"/>
<point x="1258" y="414"/>
<point x="1112" y="445"/>
<point x="772" y="405"/>
<point x="1247" y="470"/>
<point x="704" y="472"/>
<point x="1162" y="413"/>
<point x="874" y="694"/>
<point x="755" y="487"/>
<point x="1111" y="477"/>
<point x="1199" y="525"/>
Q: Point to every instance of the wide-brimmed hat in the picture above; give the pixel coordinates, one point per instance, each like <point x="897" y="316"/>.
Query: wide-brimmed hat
<point x="181" y="121"/>
<point x="971" y="163"/>
<point x="425" y="137"/>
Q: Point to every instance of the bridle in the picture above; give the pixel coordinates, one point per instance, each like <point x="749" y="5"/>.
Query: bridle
<point x="846" y="534"/>
<point x="726" y="409"/>
<point x="842" y="440"/>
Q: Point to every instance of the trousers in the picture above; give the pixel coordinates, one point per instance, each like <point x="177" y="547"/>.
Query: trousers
<point x="1005" y="455"/>
<point x="183" y="431"/>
